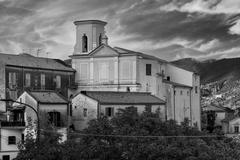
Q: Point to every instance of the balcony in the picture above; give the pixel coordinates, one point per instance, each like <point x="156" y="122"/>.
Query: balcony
<point x="13" y="124"/>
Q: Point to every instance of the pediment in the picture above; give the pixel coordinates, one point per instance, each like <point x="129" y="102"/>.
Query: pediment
<point x="103" y="51"/>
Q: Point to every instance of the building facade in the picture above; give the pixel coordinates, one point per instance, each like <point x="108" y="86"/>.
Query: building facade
<point x="101" y="67"/>
<point x="88" y="105"/>
<point x="51" y="107"/>
<point x="25" y="72"/>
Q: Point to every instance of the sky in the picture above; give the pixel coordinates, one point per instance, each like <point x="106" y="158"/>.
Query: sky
<point x="169" y="29"/>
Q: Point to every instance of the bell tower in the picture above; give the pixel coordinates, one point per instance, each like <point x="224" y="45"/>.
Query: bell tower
<point x="89" y="35"/>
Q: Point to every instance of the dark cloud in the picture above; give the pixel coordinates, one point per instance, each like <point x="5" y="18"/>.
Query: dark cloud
<point x="169" y="25"/>
<point x="48" y="24"/>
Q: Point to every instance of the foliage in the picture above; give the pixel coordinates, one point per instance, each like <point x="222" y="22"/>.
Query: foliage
<point x="130" y="136"/>
<point x="47" y="148"/>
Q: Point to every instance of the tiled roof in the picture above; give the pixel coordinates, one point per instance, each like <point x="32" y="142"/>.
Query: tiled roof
<point x="176" y="84"/>
<point x="26" y="60"/>
<point x="48" y="97"/>
<point x="106" y="97"/>
<point x="217" y="108"/>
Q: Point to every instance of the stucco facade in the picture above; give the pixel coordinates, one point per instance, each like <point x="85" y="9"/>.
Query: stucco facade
<point x="85" y="108"/>
<point x="117" y="69"/>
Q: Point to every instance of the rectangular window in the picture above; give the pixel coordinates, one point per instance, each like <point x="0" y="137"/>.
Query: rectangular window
<point x="43" y="81"/>
<point x="12" y="79"/>
<point x="148" y="69"/>
<point x="36" y="81"/>
<point x="58" y="81"/>
<point x="22" y="137"/>
<point x="5" y="157"/>
<point x="196" y="89"/>
<point x="236" y="129"/>
<point x="27" y="80"/>
<point x="83" y="71"/>
<point x="148" y="108"/>
<point x="188" y="93"/>
<point x="109" y="111"/>
<point x="11" y="140"/>
<point x="103" y="72"/>
<point x="84" y="112"/>
<point x="54" y="118"/>
<point x="181" y="92"/>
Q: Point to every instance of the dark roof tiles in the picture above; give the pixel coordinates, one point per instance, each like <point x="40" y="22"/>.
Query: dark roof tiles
<point x="48" y="97"/>
<point x="26" y="60"/>
<point x="107" y="97"/>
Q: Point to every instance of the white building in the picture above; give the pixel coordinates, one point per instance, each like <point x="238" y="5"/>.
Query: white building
<point x="100" y="67"/>
<point x="88" y="105"/>
<point x="44" y="102"/>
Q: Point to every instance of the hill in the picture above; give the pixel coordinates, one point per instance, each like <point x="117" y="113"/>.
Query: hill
<point x="213" y="70"/>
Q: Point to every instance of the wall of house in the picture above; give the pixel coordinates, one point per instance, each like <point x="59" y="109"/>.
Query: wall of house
<point x="179" y="75"/>
<point x="233" y="123"/>
<point x="62" y="108"/>
<point x="15" y="91"/>
<point x="2" y="87"/>
<point x="140" y="109"/>
<point x="103" y="73"/>
<point x="182" y="104"/>
<point x="219" y="117"/>
<point x="9" y="149"/>
<point x="150" y="83"/>
<point x="26" y="98"/>
<point x="78" y="104"/>
<point x="195" y="100"/>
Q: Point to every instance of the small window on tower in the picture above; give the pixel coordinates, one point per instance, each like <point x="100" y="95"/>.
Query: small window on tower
<point x="84" y="43"/>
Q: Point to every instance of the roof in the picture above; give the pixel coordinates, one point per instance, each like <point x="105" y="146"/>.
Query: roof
<point x="217" y="108"/>
<point x="107" y="97"/>
<point x="48" y="97"/>
<point x="176" y="84"/>
<point x="123" y="51"/>
<point x="89" y="22"/>
<point x="29" y="61"/>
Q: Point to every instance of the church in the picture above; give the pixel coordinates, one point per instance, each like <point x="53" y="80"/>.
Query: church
<point x="102" y="68"/>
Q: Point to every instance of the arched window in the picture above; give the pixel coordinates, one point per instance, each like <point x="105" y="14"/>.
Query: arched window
<point x="84" y="43"/>
<point x="100" y="39"/>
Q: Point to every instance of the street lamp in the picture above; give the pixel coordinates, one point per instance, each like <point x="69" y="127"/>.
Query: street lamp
<point x="27" y="105"/>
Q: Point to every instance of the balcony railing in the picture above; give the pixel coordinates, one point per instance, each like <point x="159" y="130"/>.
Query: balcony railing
<point x="12" y="124"/>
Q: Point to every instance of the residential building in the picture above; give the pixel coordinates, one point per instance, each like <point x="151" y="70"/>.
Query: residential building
<point x="100" y="67"/>
<point x="88" y="105"/>
<point x="218" y="116"/>
<point x="51" y="107"/>
<point x="25" y="72"/>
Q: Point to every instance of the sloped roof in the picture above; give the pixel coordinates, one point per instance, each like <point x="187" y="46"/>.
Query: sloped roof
<point x="217" y="108"/>
<point x="106" y="97"/>
<point x="29" y="61"/>
<point x="48" y="97"/>
<point x="176" y="84"/>
<point x="123" y="51"/>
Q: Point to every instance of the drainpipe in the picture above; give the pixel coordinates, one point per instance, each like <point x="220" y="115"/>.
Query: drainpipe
<point x="174" y="107"/>
<point x="190" y="94"/>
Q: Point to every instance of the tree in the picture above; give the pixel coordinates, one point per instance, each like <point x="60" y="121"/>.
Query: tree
<point x="48" y="148"/>
<point x="139" y="137"/>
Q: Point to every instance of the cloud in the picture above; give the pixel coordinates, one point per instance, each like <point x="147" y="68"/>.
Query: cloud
<point x="201" y="27"/>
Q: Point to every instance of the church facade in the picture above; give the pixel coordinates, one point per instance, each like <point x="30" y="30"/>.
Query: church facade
<point x="100" y="67"/>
